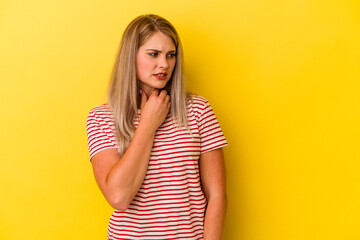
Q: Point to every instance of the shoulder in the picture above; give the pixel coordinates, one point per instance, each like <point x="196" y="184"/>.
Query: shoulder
<point x="100" y="129"/>
<point x="101" y="115"/>
<point x="198" y="106"/>
<point x="101" y="111"/>
<point x="197" y="101"/>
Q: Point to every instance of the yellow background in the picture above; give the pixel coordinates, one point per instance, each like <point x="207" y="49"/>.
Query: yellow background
<point x="282" y="76"/>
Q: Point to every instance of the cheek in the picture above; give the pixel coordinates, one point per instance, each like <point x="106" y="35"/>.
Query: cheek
<point x="143" y="65"/>
<point x="173" y="64"/>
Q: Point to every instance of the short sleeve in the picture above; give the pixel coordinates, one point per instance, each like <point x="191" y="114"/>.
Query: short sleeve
<point x="99" y="133"/>
<point x="211" y="135"/>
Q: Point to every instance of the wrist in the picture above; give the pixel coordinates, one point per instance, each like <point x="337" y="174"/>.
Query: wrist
<point x="146" y="128"/>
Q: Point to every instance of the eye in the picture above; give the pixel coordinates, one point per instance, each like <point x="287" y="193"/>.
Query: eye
<point x="153" y="54"/>
<point x="172" y="55"/>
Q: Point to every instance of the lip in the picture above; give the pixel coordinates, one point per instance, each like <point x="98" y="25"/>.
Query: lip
<point x="160" y="77"/>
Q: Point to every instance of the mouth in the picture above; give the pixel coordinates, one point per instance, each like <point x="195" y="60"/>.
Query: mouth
<point x="160" y="76"/>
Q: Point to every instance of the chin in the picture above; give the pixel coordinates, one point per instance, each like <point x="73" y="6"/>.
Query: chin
<point x="155" y="84"/>
<point x="160" y="85"/>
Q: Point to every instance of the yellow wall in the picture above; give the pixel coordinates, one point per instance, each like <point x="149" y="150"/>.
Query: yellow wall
<point x="282" y="76"/>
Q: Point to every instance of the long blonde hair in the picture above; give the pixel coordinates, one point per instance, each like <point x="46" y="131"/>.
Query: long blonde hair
<point x="123" y="92"/>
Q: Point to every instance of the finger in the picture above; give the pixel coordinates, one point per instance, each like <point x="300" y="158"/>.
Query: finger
<point x="168" y="106"/>
<point x="143" y="99"/>
<point x="163" y="94"/>
<point x="155" y="92"/>
<point x="167" y="98"/>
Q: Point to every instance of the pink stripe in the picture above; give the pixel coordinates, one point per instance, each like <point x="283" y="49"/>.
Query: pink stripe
<point x="168" y="190"/>
<point x="152" y="235"/>
<point x="199" y="194"/>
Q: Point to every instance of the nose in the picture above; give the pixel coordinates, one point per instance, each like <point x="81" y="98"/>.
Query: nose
<point x="163" y="62"/>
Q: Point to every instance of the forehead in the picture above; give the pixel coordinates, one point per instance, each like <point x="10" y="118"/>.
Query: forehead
<point x="159" y="41"/>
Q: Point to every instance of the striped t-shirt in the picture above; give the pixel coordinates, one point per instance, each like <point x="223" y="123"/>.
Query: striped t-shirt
<point x="170" y="204"/>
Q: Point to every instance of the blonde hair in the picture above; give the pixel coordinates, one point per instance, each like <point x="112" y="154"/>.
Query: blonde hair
<point x="123" y="92"/>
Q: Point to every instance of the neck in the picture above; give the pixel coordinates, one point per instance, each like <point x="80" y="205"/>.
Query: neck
<point x="147" y="90"/>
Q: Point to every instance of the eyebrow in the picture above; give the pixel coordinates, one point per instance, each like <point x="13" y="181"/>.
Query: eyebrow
<point x="154" y="50"/>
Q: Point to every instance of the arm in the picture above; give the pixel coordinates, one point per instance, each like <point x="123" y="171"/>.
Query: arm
<point x="120" y="177"/>
<point x="212" y="174"/>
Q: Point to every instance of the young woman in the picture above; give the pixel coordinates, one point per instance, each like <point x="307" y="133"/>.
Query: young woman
<point x="156" y="150"/>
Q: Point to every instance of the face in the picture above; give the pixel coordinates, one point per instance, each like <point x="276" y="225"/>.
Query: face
<point x="156" y="60"/>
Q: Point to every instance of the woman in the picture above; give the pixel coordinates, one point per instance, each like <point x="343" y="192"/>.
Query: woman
<point x="156" y="151"/>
